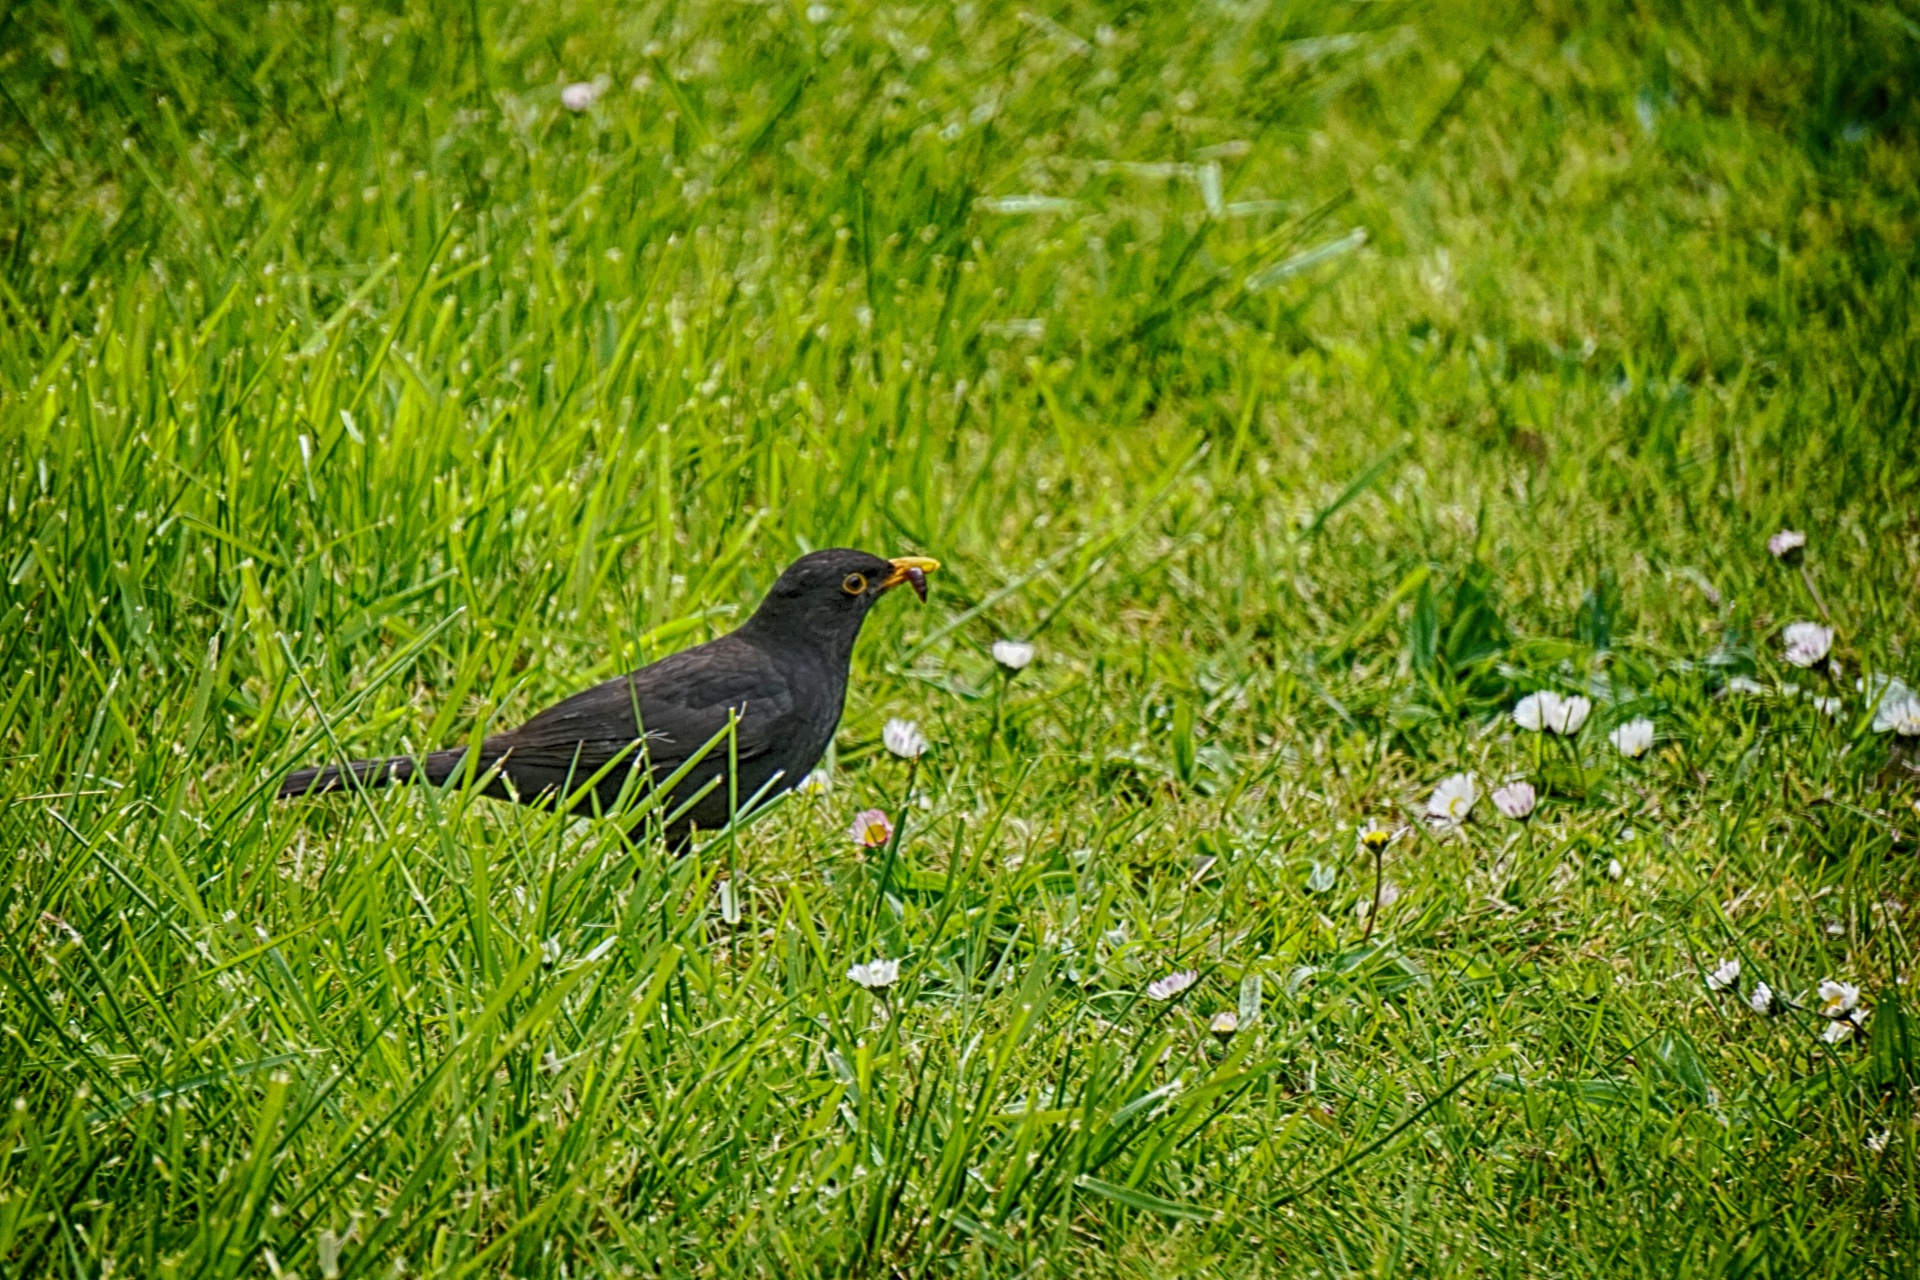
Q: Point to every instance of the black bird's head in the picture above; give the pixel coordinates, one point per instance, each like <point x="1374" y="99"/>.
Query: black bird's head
<point x="824" y="595"/>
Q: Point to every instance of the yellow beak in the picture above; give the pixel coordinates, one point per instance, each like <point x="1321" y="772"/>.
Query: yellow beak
<point x="913" y="569"/>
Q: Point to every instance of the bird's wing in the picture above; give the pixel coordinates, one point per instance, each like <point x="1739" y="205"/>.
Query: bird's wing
<point x="683" y="701"/>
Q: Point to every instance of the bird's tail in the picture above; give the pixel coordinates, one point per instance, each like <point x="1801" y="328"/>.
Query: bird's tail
<point x="435" y="768"/>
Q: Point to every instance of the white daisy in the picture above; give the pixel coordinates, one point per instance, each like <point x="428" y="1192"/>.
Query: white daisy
<point x="1807" y="642"/>
<point x="1837" y="999"/>
<point x="1516" y="799"/>
<point x="1614" y="869"/>
<point x="1633" y="739"/>
<point x="1549" y="711"/>
<point x="1786" y="542"/>
<point x="1012" y="654"/>
<point x="1761" y="1001"/>
<point x="817" y="783"/>
<point x="1725" y="976"/>
<point x="1531" y="711"/>
<point x="1837" y="1031"/>
<point x="1896" y="708"/>
<point x="1224" y="1024"/>
<point x="875" y="975"/>
<point x="1172" y="985"/>
<point x="580" y="95"/>
<point x="904" y="739"/>
<point x="1573" y="714"/>
<point x="1453" y="800"/>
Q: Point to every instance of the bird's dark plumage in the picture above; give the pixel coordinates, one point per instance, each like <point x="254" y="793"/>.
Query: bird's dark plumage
<point x="784" y="672"/>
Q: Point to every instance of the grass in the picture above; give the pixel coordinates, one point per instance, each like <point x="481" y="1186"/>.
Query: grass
<point x="356" y="397"/>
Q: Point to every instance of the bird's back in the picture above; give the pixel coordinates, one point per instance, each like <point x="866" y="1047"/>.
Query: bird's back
<point x="787" y="712"/>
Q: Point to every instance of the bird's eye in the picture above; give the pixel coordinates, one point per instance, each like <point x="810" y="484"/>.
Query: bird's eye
<point x="854" y="584"/>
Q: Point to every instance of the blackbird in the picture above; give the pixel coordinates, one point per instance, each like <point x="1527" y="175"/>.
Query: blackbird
<point x="783" y="673"/>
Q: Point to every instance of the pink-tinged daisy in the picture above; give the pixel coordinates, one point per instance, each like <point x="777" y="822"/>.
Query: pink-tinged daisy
<point x="904" y="739"/>
<point x="871" y="829"/>
<point x="1172" y="985"/>
<point x="1516" y="800"/>
<point x="1806" y="642"/>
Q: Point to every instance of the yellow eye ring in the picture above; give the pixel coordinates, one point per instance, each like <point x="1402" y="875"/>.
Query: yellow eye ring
<point x="854" y="583"/>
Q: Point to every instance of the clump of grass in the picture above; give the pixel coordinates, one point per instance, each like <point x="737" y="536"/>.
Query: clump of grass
<point x="1305" y="384"/>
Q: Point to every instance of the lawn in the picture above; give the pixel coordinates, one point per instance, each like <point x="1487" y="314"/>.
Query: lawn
<point x="1311" y="384"/>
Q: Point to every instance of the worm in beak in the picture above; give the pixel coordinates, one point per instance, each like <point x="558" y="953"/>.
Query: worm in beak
<point x="913" y="571"/>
